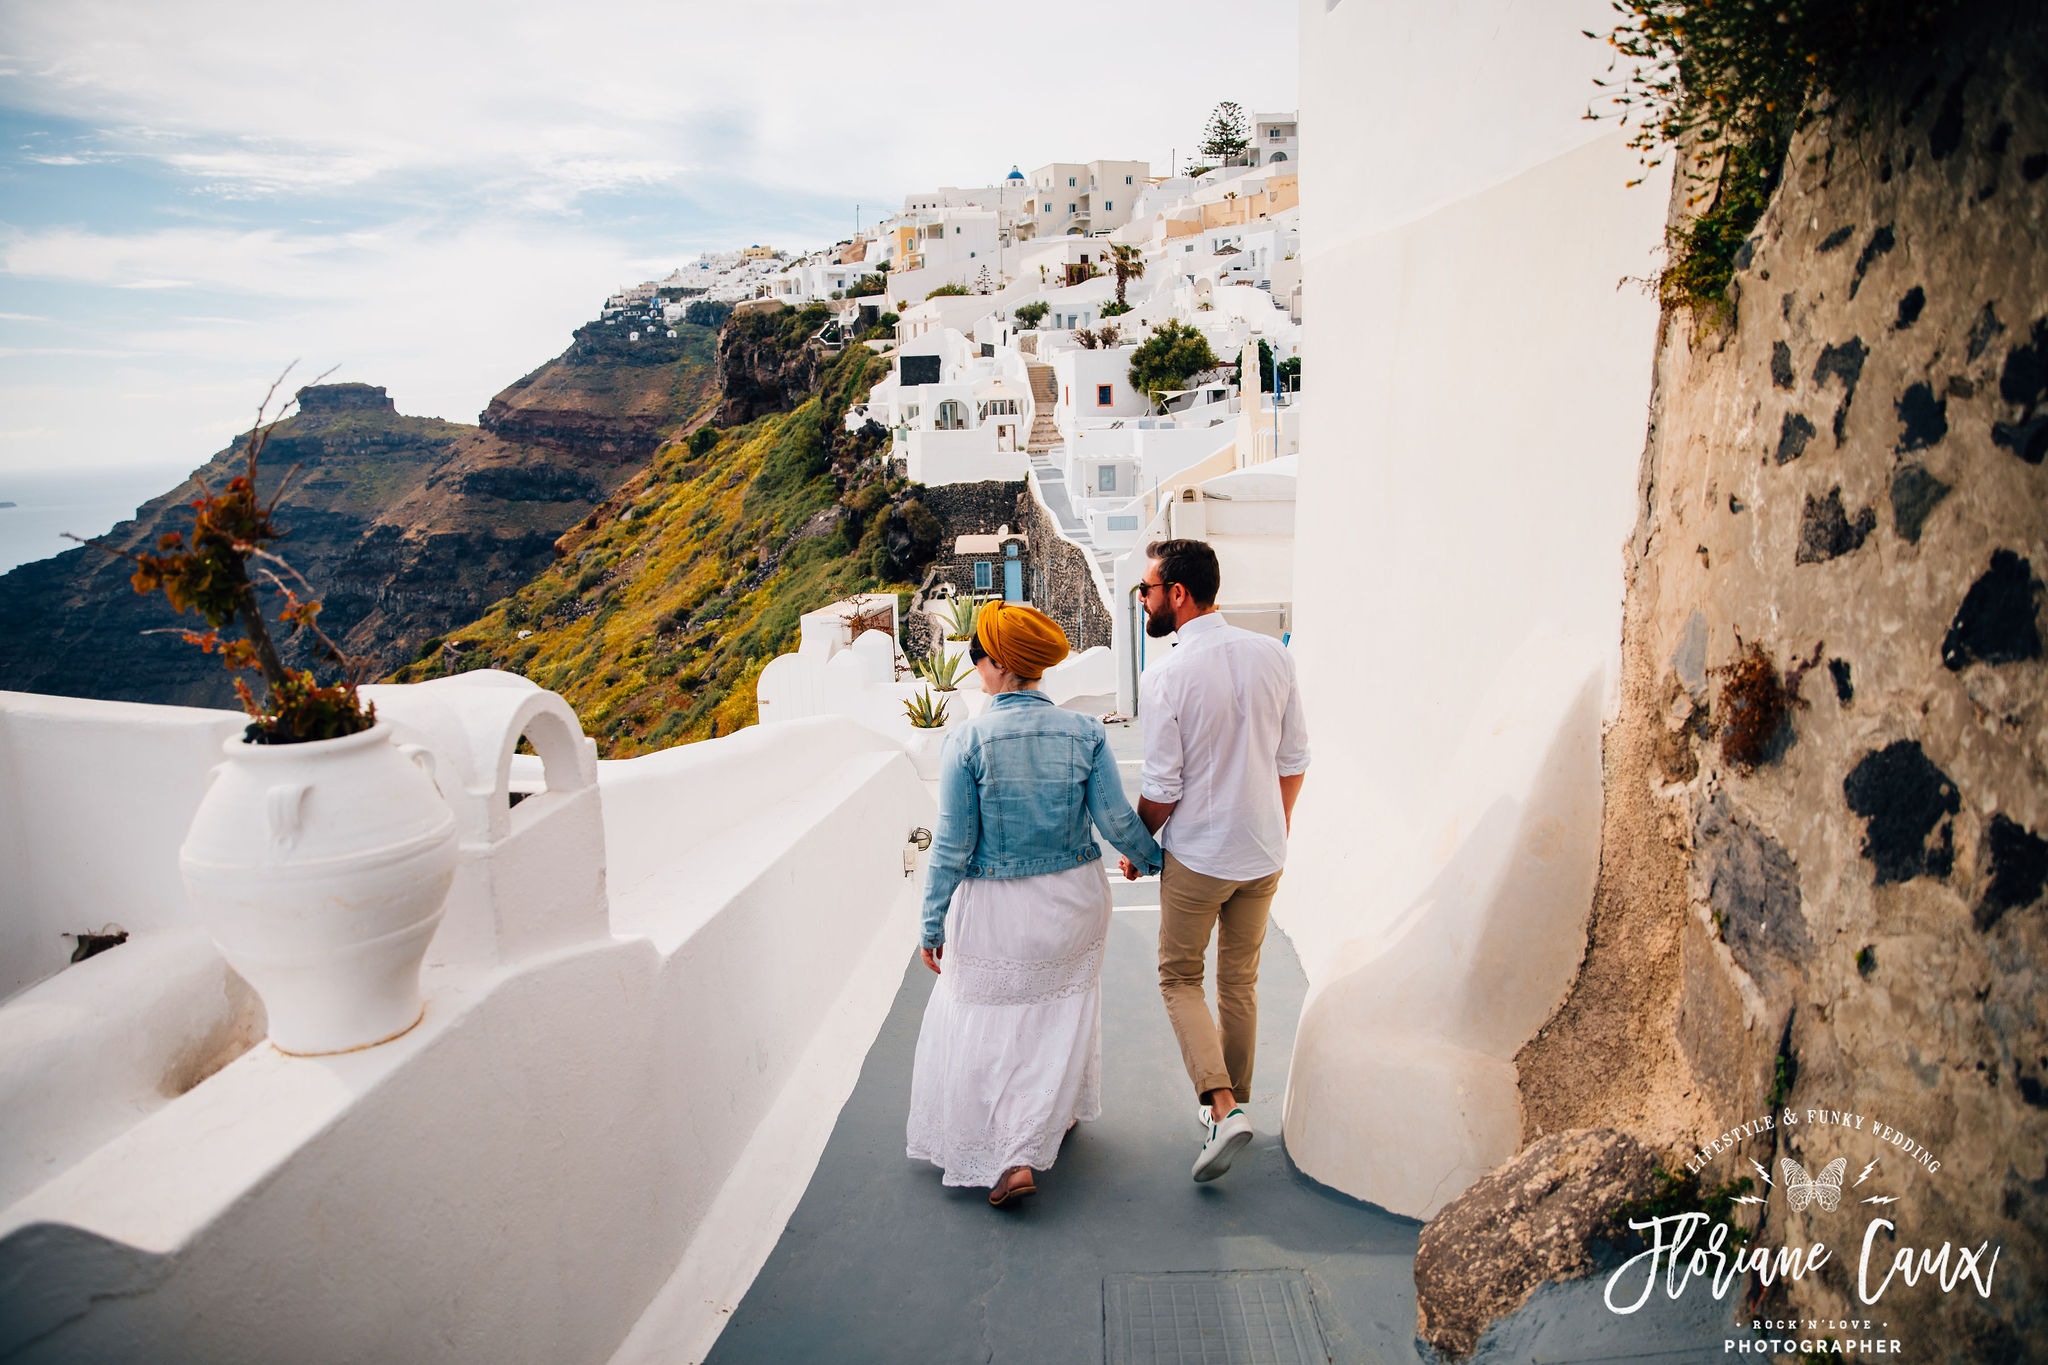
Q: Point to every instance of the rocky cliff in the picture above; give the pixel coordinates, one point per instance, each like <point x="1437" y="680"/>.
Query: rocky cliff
<point x="766" y="362"/>
<point x="1826" y="825"/>
<point x="671" y="596"/>
<point x="612" y="394"/>
<point x="406" y="526"/>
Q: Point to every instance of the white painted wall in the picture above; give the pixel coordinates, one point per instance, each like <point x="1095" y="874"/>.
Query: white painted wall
<point x="83" y="843"/>
<point x="941" y="457"/>
<point x="1459" y="530"/>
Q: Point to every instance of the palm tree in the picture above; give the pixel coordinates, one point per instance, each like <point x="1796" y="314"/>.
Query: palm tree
<point x="1128" y="265"/>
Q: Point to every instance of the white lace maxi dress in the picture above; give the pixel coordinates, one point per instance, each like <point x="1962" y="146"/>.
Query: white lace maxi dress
<point x="1011" y="1048"/>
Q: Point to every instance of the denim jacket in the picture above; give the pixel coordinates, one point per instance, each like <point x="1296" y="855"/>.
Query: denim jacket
<point x="1018" y="788"/>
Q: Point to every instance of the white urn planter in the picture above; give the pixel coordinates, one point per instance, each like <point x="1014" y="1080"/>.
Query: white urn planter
<point x="924" y="747"/>
<point x="321" y="870"/>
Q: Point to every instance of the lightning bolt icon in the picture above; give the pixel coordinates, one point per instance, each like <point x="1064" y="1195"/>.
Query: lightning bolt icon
<point x="1761" y="1170"/>
<point x="1866" y="1172"/>
<point x="1747" y="1199"/>
<point x="1882" y="1199"/>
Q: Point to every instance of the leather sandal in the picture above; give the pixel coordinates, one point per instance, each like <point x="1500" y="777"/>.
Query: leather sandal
<point x="1008" y="1190"/>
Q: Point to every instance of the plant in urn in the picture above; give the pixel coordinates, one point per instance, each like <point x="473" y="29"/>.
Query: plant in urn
<point x="321" y="854"/>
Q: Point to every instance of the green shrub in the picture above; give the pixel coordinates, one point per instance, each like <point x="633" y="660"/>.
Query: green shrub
<point x="947" y="289"/>
<point x="707" y="313"/>
<point x="1029" y="315"/>
<point x="1169" y="358"/>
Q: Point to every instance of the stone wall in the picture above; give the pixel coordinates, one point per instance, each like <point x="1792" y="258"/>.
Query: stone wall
<point x="975" y="509"/>
<point x="1825" y="835"/>
<point x="970" y="509"/>
<point x="1070" y="596"/>
<point x="963" y="509"/>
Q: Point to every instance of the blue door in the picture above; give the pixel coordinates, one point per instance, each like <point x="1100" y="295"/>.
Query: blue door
<point x="1013" y="581"/>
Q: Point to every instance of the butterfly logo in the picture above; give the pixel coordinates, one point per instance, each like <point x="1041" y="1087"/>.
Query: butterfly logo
<point x="1824" y="1189"/>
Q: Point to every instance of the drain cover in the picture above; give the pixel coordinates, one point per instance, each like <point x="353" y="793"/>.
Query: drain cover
<point x="1210" y="1317"/>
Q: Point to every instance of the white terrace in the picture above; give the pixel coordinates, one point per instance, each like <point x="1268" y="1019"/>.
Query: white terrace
<point x="650" y="994"/>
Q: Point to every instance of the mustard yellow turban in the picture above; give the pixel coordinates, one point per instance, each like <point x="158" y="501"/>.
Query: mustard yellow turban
<point x="1022" y="639"/>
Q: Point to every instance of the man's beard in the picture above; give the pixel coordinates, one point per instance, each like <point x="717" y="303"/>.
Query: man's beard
<point x="1158" y="624"/>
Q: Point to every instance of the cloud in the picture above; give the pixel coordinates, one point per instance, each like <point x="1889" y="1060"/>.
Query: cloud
<point x="435" y="195"/>
<point x="552" y="102"/>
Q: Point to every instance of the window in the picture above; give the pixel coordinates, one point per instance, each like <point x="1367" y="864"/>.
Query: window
<point x="1123" y="523"/>
<point x="1105" y="478"/>
<point x="951" y="416"/>
<point x="1108" y="204"/>
<point x="984" y="576"/>
<point x="1103" y="395"/>
<point x="1127" y="180"/>
<point x="1070" y="208"/>
<point x="1010" y="550"/>
<point x="1070" y="182"/>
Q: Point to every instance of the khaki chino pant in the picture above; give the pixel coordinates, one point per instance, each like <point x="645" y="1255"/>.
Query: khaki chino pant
<point x="1192" y="907"/>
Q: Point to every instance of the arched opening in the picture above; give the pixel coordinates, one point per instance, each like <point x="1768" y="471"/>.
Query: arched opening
<point x="951" y="416"/>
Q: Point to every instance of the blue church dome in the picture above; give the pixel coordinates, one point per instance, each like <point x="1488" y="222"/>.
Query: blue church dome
<point x="1014" y="174"/>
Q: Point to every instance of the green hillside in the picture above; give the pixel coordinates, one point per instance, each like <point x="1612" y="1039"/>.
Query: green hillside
<point x="672" y="596"/>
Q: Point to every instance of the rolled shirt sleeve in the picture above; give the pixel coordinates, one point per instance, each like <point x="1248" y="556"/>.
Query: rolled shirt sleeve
<point x="1161" y="774"/>
<point x="1292" y="756"/>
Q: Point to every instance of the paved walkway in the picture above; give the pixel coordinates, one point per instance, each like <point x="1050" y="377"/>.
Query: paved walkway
<point x="881" y="1263"/>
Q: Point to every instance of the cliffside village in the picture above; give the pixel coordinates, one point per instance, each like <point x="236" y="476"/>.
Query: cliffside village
<point x="1017" y="308"/>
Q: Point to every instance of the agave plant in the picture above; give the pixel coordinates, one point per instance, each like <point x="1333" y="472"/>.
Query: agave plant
<point x="942" y="670"/>
<point x="925" y="711"/>
<point x="966" y="614"/>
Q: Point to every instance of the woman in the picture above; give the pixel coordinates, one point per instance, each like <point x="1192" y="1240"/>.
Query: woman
<point x="1010" y="1056"/>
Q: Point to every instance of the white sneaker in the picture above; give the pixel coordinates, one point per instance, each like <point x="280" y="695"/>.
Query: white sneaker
<point x="1226" y="1139"/>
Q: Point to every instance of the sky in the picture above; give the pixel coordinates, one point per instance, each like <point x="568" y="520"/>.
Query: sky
<point x="431" y="196"/>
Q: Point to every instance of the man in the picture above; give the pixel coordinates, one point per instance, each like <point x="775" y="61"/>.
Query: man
<point x="1225" y="751"/>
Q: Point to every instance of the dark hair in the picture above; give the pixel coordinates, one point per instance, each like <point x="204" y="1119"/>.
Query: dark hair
<point x="1190" y="563"/>
<point x="975" y="653"/>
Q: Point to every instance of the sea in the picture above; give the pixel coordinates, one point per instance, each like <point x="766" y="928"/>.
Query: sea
<point x="86" y="502"/>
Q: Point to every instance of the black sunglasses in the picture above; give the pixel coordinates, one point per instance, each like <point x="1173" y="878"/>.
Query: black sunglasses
<point x="1144" y="589"/>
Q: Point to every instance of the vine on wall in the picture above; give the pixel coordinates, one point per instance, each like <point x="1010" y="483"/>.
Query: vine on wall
<point x="1722" y="85"/>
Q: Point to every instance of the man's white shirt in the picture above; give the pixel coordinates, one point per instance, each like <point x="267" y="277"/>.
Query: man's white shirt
<point x="1223" y="725"/>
